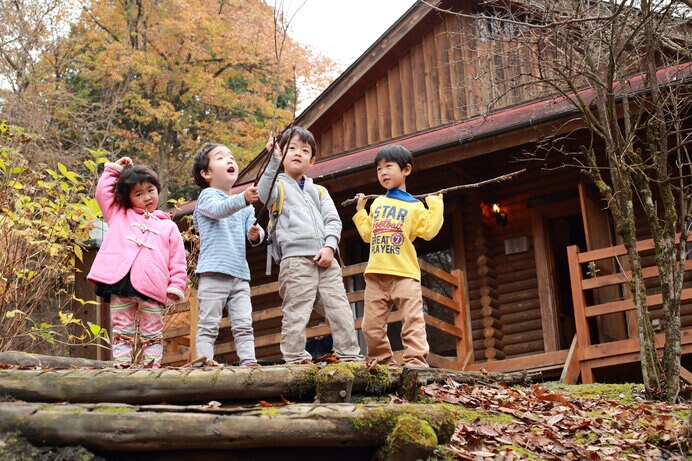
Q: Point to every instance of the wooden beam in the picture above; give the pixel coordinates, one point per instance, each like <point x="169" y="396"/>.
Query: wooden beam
<point x="538" y="362"/>
<point x="439" y="299"/>
<point x="437" y="272"/>
<point x="624" y="277"/>
<point x="443" y="326"/>
<point x="583" y="335"/>
<point x="619" y="250"/>
<point x="570" y="372"/>
<point x="626" y="346"/>
<point x="628" y="304"/>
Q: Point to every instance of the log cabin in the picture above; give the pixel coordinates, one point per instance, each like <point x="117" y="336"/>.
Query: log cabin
<point x="526" y="274"/>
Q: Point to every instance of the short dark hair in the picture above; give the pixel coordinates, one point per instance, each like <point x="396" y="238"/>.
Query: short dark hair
<point x="201" y="163"/>
<point x="129" y="178"/>
<point x="394" y="153"/>
<point x="303" y="134"/>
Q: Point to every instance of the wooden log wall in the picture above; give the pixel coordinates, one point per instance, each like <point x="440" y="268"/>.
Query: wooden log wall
<point x="487" y="290"/>
<point x="447" y="74"/>
<point x="515" y="298"/>
<point x="471" y="215"/>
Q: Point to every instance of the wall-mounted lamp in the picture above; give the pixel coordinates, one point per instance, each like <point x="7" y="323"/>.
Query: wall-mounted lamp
<point x="500" y="216"/>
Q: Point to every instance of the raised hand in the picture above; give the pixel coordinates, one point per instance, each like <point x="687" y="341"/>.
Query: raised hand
<point x="361" y="201"/>
<point x="124" y="161"/>
<point x="251" y="194"/>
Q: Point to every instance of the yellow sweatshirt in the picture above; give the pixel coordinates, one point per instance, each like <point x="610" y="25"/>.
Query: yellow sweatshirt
<point x="394" y="222"/>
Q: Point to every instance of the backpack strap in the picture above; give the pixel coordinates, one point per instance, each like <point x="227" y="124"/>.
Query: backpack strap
<point x="278" y="205"/>
<point x="277" y="208"/>
<point x="321" y="190"/>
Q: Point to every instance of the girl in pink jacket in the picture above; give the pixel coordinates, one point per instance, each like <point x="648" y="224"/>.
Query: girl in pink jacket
<point x="141" y="263"/>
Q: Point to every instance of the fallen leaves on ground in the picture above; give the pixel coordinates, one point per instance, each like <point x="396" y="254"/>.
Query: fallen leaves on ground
<point x="531" y="423"/>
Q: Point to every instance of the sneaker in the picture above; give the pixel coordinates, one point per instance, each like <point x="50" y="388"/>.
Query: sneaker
<point x="299" y="362"/>
<point x="327" y="358"/>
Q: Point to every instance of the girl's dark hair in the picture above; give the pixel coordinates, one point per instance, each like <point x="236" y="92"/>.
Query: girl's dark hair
<point x="303" y="134"/>
<point x="201" y="163"/>
<point x="130" y="177"/>
<point x="394" y="153"/>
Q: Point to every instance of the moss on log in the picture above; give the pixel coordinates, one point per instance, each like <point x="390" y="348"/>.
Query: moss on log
<point x="131" y="428"/>
<point x="185" y="385"/>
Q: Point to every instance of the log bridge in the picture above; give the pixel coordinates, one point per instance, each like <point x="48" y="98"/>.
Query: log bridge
<point x="230" y="408"/>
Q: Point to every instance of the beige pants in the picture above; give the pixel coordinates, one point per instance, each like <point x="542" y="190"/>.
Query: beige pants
<point x="381" y="292"/>
<point x="302" y="284"/>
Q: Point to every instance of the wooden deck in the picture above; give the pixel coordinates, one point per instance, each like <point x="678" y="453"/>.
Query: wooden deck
<point x="180" y="335"/>
<point x="575" y="364"/>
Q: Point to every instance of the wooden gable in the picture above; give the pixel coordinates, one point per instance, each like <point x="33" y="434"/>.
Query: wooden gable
<point x="429" y="69"/>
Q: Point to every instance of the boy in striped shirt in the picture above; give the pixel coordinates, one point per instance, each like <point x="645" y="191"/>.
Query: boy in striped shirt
<point x="224" y="222"/>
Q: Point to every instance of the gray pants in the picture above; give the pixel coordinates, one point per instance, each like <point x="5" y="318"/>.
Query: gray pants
<point x="215" y="292"/>
<point x="302" y="284"/>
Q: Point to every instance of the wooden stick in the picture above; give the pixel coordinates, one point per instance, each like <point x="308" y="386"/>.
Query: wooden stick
<point x="504" y="177"/>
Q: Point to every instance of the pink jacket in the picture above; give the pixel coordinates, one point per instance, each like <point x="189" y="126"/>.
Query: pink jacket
<point x="148" y="245"/>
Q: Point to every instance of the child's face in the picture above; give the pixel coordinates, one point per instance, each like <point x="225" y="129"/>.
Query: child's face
<point x="144" y="195"/>
<point x="222" y="171"/>
<point x="298" y="158"/>
<point x="390" y="175"/>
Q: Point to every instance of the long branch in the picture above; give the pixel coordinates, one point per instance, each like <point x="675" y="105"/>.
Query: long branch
<point x="504" y="177"/>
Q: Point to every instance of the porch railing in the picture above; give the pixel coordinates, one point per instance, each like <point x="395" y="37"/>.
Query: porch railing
<point x="180" y="336"/>
<point x="587" y="353"/>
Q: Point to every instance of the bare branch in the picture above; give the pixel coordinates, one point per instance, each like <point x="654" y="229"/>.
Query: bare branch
<point x="502" y="178"/>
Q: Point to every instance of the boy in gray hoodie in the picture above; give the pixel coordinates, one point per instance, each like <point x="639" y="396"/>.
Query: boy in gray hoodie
<point x="306" y="234"/>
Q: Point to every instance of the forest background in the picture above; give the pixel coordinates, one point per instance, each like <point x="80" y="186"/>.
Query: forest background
<point x="83" y="83"/>
<point x="148" y="79"/>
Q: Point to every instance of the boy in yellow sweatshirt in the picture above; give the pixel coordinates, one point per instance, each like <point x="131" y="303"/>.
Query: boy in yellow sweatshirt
<point x="392" y="276"/>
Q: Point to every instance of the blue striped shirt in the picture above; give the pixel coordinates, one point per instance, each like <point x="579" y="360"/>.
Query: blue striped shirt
<point x="222" y="222"/>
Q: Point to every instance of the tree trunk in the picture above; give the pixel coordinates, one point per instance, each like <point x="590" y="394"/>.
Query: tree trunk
<point x="23" y="359"/>
<point x="130" y="428"/>
<point x="647" y="336"/>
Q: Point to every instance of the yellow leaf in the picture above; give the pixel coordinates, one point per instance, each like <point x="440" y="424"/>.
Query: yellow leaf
<point x="78" y="252"/>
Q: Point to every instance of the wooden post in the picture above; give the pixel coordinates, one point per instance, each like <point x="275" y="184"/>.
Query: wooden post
<point x="194" y="320"/>
<point x="104" y="318"/>
<point x="570" y="372"/>
<point x="462" y="318"/>
<point x="583" y="336"/>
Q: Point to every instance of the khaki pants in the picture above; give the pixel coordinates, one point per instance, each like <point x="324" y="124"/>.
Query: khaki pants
<point x="381" y="292"/>
<point x="302" y="284"/>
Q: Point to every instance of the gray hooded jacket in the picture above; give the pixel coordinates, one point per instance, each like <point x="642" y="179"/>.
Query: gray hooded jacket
<point x="303" y="228"/>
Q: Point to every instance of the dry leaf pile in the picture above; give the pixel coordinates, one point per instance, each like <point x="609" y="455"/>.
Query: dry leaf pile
<point x="534" y="423"/>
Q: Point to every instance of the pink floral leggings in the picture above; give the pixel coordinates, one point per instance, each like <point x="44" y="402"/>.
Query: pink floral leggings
<point x="123" y="312"/>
